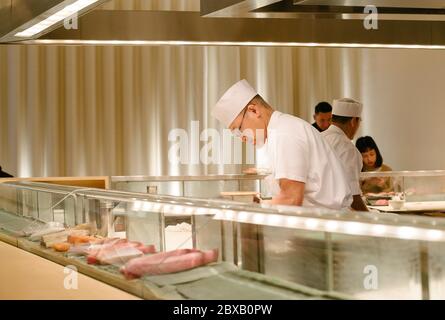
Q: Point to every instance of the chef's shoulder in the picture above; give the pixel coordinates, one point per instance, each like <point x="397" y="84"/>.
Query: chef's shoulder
<point x="287" y="123"/>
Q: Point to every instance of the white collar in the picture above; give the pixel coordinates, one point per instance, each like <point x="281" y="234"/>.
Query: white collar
<point x="334" y="129"/>
<point x="273" y="122"/>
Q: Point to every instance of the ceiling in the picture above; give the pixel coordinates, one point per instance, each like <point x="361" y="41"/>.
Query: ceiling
<point x="19" y="15"/>
<point x="152" y="5"/>
<point x="378" y="3"/>
<point x="237" y="22"/>
<point x="337" y="9"/>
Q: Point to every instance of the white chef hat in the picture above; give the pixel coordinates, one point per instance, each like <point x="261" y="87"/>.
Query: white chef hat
<point x="233" y="102"/>
<point x="347" y="108"/>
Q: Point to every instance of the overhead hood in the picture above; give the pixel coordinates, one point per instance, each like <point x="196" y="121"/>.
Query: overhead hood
<point x="401" y="23"/>
<point x="337" y="9"/>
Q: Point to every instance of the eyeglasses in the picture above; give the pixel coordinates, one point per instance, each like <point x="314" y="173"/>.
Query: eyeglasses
<point x="237" y="132"/>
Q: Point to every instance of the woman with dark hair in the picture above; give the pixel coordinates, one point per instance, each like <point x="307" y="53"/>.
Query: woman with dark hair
<point x="373" y="161"/>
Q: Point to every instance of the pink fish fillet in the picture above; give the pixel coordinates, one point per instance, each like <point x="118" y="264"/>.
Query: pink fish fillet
<point x="381" y="202"/>
<point x="104" y="253"/>
<point x="168" y="262"/>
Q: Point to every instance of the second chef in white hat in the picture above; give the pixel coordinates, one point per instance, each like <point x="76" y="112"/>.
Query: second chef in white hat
<point x="305" y="170"/>
<point x="346" y="118"/>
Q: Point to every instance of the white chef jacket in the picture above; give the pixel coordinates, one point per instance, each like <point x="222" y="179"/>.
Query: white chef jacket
<point x="296" y="151"/>
<point x="348" y="154"/>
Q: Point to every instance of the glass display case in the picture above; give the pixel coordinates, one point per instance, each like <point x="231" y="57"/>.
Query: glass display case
<point x="225" y="249"/>
<point x="240" y="187"/>
<point x="405" y="191"/>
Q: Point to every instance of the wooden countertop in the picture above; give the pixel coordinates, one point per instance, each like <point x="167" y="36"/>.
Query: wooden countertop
<point x="24" y="276"/>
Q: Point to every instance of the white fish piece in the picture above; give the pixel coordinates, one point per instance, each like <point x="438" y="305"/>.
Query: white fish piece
<point x="53" y="238"/>
<point x="36" y="227"/>
<point x="84" y="249"/>
<point x="37" y="236"/>
<point x="119" y="255"/>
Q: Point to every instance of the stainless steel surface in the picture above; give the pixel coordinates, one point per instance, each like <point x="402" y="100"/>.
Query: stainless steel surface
<point x="101" y="110"/>
<point x="337" y="9"/>
<point x="308" y="23"/>
<point x="109" y="110"/>
<point x="5" y="5"/>
<point x="152" y="26"/>
<point x="436" y="270"/>
<point x="232" y="8"/>
<point x="352" y="256"/>
<point x="105" y="222"/>
<point x="190" y="27"/>
<point x="5" y="15"/>
<point x="329" y="261"/>
<point x="439" y="4"/>
<point x="210" y="177"/>
<point x="158" y="5"/>
<point x="406" y="267"/>
<point x="191" y="43"/>
<point x="420" y="173"/>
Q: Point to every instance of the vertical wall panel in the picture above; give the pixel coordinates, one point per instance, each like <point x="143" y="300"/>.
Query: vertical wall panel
<point x="108" y="110"/>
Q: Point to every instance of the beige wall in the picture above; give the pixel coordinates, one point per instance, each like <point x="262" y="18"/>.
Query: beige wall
<point x="403" y="97"/>
<point x="108" y="110"/>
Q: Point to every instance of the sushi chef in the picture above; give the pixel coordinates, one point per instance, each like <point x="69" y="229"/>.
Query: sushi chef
<point x="305" y="170"/>
<point x="322" y="116"/>
<point x="346" y="118"/>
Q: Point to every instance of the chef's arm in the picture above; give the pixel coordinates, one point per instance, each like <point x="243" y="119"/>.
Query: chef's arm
<point x="291" y="193"/>
<point x="358" y="204"/>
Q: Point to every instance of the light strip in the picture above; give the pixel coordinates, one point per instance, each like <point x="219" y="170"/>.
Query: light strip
<point x="57" y="17"/>
<point x="343" y="227"/>
<point x="297" y="222"/>
<point x="234" y="43"/>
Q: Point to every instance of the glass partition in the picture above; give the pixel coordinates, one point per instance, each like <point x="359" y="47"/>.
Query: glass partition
<point x="409" y="191"/>
<point x="232" y="187"/>
<point x="164" y="247"/>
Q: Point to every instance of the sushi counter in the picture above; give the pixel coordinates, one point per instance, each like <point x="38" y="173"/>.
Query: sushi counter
<point x="27" y="276"/>
<point x="195" y="284"/>
<point x="172" y="247"/>
<point x="409" y="192"/>
<point x="140" y="269"/>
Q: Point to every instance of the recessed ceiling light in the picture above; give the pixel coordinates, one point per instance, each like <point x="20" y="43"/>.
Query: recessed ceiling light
<point x="57" y="17"/>
<point x="233" y="43"/>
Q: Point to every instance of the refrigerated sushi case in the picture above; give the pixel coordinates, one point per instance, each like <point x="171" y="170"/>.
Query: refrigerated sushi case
<point x="238" y="187"/>
<point x="423" y="192"/>
<point x="264" y="252"/>
<point x="419" y="192"/>
<point x="86" y="206"/>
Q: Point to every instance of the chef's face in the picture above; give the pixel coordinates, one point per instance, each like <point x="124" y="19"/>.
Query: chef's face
<point x="249" y="125"/>
<point x="369" y="158"/>
<point x="323" y="120"/>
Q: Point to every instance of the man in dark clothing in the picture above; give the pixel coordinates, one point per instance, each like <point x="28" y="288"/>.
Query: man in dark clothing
<point x="322" y="116"/>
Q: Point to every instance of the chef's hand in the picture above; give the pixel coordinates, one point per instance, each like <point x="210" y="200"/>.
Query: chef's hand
<point x="381" y="182"/>
<point x="378" y="181"/>
<point x="252" y="170"/>
<point x="257" y="198"/>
